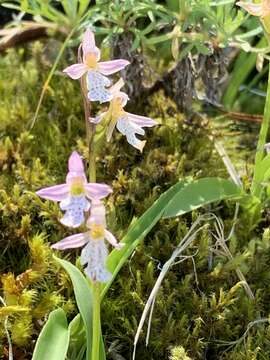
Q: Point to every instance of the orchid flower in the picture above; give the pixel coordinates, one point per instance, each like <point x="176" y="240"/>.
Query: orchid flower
<point x="97" y="83"/>
<point x="94" y="253"/>
<point x="128" y="124"/>
<point x="261" y="9"/>
<point x="75" y="194"/>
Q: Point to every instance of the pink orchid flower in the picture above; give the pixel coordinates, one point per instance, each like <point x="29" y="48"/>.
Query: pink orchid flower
<point x="94" y="254"/>
<point x="97" y="83"/>
<point x="261" y="9"/>
<point x="74" y="195"/>
<point x="128" y="124"/>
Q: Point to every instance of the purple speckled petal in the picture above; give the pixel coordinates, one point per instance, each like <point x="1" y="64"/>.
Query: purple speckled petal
<point x="55" y="193"/>
<point x="112" y="240"/>
<point x="130" y="129"/>
<point x="97" y="87"/>
<point x="74" y="207"/>
<point x="111" y="67"/>
<point x="97" y="191"/>
<point x="253" y="9"/>
<point x="75" y="71"/>
<point x="89" y="44"/>
<point x="71" y="242"/>
<point x="141" y="121"/>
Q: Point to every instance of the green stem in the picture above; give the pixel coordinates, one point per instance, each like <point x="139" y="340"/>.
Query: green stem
<point x="92" y="157"/>
<point x="90" y="131"/>
<point x="256" y="186"/>
<point x="96" y="321"/>
<point x="90" y="139"/>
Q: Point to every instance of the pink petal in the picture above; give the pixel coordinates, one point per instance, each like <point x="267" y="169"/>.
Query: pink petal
<point x="97" y="215"/>
<point x="71" y="242"/>
<point x="55" y="193"/>
<point x="96" y="120"/>
<point x="75" y="163"/>
<point x="253" y="9"/>
<point x="89" y="45"/>
<point x="112" y="240"/>
<point x="97" y="191"/>
<point x="115" y="88"/>
<point x="75" y="71"/>
<point x="141" y="121"/>
<point x="111" y="67"/>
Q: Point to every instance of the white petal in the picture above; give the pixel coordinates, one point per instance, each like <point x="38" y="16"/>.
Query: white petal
<point x="93" y="259"/>
<point x="74" y="207"/>
<point x="112" y="240"/>
<point x="129" y="129"/>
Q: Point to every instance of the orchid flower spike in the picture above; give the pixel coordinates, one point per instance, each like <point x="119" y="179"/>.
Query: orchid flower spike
<point x="94" y="253"/>
<point x="97" y="83"/>
<point x="128" y="124"/>
<point x="75" y="194"/>
<point x="261" y="9"/>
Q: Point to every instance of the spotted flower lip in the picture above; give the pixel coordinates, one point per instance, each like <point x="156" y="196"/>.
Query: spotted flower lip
<point x="97" y="83"/>
<point x="94" y="253"/>
<point x="260" y="9"/>
<point x="75" y="194"/>
<point x="128" y="124"/>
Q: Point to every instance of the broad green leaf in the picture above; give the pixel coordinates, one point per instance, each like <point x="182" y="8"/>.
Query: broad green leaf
<point x="54" y="338"/>
<point x="262" y="173"/>
<point x="77" y="342"/>
<point x="83" y="295"/>
<point x="138" y="230"/>
<point x="199" y="193"/>
<point x="102" y="353"/>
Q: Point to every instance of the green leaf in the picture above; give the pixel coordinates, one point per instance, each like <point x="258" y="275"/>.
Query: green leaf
<point x="102" y="353"/>
<point x="199" y="193"/>
<point x="83" y="5"/>
<point x="54" y="338"/>
<point x="263" y="170"/>
<point x="70" y="8"/>
<point x="83" y="295"/>
<point x="244" y="65"/>
<point x="138" y="230"/>
<point x="77" y="342"/>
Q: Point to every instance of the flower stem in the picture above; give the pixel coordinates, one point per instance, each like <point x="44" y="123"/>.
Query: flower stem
<point x="96" y="321"/>
<point x="90" y="131"/>
<point x="90" y="139"/>
<point x="256" y="186"/>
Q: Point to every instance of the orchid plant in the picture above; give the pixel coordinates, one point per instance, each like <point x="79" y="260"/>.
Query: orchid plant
<point x="81" y="200"/>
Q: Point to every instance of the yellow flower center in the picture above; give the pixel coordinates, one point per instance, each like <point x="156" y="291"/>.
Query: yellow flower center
<point x="97" y="231"/>
<point x="117" y="108"/>
<point x="77" y="186"/>
<point x="91" y="60"/>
